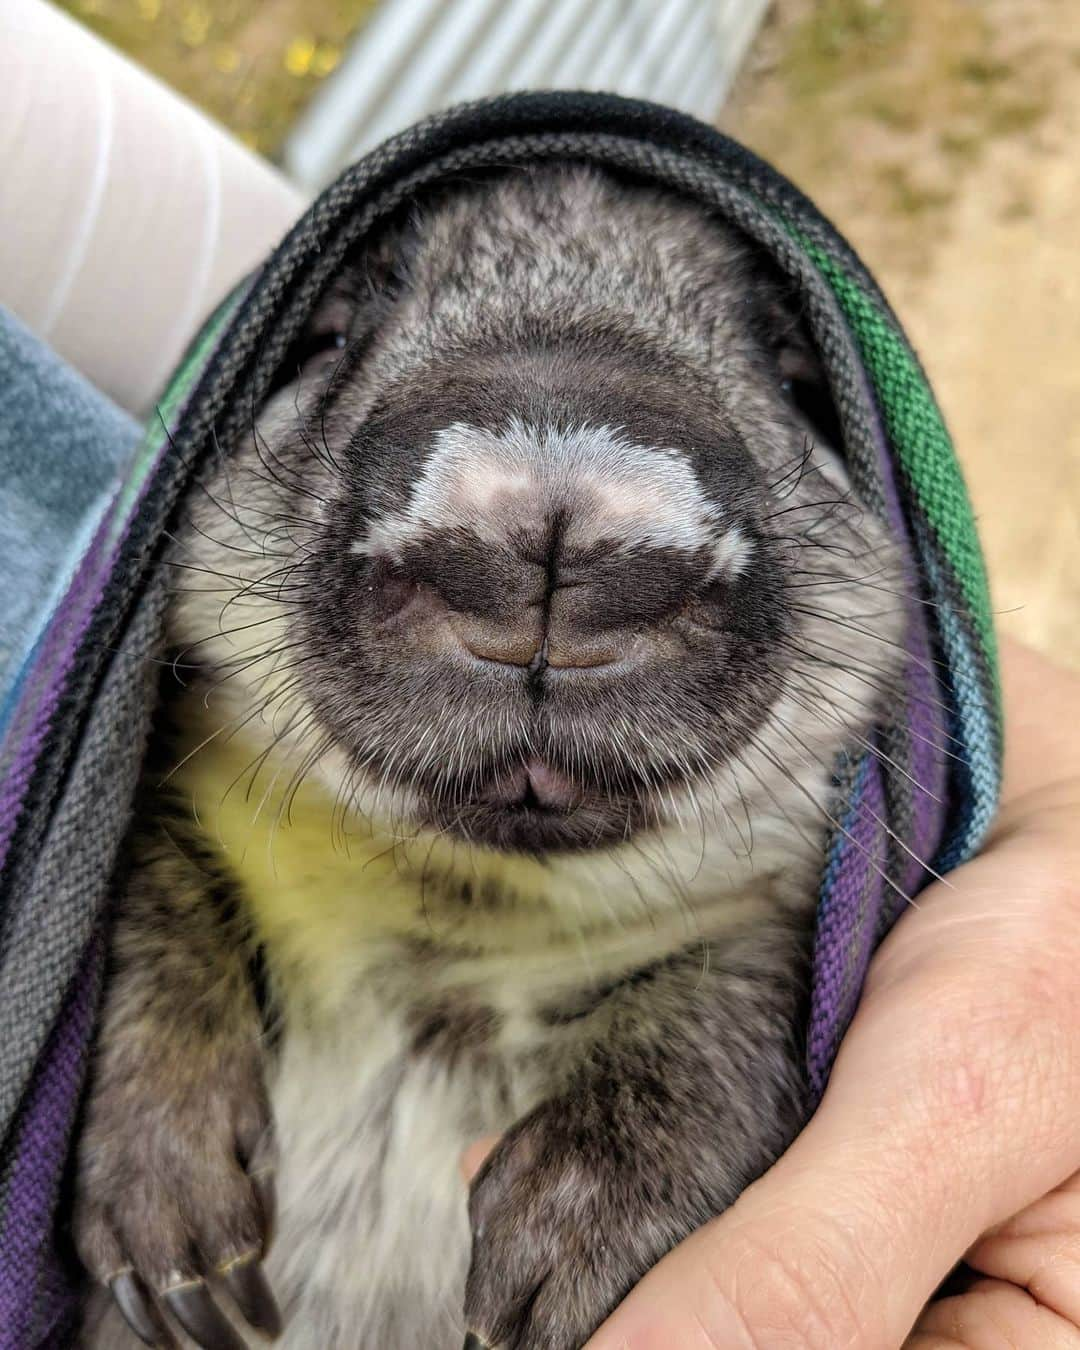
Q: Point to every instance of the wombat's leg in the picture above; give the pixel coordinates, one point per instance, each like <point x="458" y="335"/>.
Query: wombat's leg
<point x="689" y="1083"/>
<point x="175" y="1170"/>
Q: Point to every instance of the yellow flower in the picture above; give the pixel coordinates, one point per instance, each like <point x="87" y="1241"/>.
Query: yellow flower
<point x="299" y="55"/>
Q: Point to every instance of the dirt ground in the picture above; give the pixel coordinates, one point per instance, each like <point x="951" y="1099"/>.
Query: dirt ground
<point x="942" y="137"/>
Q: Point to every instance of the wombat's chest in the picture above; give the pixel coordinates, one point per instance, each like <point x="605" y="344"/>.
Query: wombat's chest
<point x="421" y="1010"/>
<point x="372" y="1116"/>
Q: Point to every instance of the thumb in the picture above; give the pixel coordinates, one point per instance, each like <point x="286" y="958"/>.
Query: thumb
<point x="475" y="1156"/>
<point x="950" y="1108"/>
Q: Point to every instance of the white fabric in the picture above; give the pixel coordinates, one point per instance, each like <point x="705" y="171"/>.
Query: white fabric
<point x="125" y="215"/>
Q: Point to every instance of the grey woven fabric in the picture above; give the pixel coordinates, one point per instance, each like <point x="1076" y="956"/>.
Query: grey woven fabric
<point x="66" y="882"/>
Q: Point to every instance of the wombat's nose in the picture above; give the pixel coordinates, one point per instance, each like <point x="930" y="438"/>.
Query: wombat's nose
<point x="541" y="602"/>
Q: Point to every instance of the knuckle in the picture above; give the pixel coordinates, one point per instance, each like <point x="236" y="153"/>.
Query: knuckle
<point x="1038" y="1251"/>
<point x="995" y="1313"/>
<point x="808" y="1289"/>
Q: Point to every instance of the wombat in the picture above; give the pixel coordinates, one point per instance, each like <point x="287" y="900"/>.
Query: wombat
<point x="512" y="650"/>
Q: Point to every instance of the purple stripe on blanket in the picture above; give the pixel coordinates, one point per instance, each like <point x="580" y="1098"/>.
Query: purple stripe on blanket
<point x="41" y="1143"/>
<point x="926" y="727"/>
<point x="843" y="944"/>
<point x="846" y="933"/>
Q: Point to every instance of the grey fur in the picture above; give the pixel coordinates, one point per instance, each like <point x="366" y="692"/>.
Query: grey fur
<point x="615" y="984"/>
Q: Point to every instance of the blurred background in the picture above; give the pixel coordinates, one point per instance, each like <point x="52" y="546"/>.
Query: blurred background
<point x="941" y="136"/>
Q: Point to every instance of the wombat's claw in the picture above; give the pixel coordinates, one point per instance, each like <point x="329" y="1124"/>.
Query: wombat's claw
<point x="138" y="1311"/>
<point x="193" y="1307"/>
<point x="245" y="1281"/>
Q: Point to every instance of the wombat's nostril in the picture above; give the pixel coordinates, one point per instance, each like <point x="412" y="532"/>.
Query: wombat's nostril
<point x="514" y="644"/>
<point x="567" y="650"/>
<point x="530" y="644"/>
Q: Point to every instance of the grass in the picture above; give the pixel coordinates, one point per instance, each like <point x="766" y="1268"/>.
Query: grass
<point x="1015" y="116"/>
<point x="982" y="70"/>
<point x="907" y="196"/>
<point x="840" y="38"/>
<point x="251" y="64"/>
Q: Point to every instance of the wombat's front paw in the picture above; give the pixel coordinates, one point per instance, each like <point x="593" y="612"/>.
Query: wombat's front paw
<point x="567" y="1214"/>
<point x="174" y="1197"/>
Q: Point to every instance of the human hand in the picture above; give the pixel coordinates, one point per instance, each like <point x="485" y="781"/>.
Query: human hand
<point x="954" y="1106"/>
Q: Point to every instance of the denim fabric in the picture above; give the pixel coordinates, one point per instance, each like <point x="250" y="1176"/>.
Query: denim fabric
<point x="63" y="447"/>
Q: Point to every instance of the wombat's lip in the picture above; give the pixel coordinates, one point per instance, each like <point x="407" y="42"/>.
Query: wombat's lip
<point x="537" y="830"/>
<point x="533" y="785"/>
<point x="533" y="807"/>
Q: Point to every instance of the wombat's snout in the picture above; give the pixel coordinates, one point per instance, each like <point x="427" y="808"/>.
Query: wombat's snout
<point x="546" y="607"/>
<point x="568" y="561"/>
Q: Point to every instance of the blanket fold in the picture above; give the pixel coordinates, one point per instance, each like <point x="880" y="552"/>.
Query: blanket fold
<point x="70" y="758"/>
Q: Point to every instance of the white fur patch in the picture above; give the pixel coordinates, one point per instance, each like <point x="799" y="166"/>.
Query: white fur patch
<point x="373" y="1235"/>
<point x="634" y="495"/>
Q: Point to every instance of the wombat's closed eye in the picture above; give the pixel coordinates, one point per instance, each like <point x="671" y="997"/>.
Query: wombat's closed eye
<point x="527" y="625"/>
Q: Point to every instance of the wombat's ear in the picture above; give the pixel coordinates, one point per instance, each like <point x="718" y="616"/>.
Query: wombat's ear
<point x="351" y="308"/>
<point x="789" y="339"/>
<point x="798" y="366"/>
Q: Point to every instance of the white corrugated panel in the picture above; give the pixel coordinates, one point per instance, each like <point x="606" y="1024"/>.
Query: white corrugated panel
<point x="414" y="57"/>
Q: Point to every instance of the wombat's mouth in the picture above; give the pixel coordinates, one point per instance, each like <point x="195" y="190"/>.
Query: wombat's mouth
<point x="536" y="808"/>
<point x="536" y="786"/>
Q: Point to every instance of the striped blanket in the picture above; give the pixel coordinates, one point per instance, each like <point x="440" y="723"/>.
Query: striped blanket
<point x="70" y="758"/>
